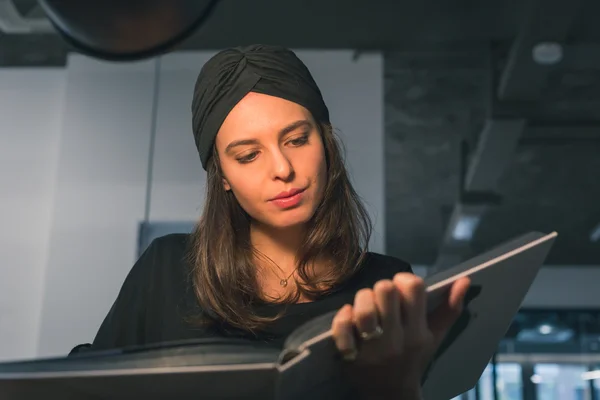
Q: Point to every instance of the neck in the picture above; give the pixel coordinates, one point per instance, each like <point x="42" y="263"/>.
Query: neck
<point x="280" y="245"/>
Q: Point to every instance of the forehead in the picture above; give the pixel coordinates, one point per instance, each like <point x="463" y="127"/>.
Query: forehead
<point x="259" y="114"/>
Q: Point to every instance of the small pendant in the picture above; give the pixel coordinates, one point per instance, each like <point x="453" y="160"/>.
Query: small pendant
<point x="283" y="282"/>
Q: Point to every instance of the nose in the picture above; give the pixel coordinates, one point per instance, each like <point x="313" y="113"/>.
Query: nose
<point x="282" y="166"/>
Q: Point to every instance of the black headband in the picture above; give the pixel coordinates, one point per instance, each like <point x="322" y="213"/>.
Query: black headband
<point x="231" y="74"/>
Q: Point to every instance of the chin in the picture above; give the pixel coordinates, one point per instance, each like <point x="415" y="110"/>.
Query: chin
<point x="291" y="218"/>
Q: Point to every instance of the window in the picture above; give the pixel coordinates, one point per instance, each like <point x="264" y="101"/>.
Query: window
<point x="561" y="382"/>
<point x="470" y="395"/>
<point x="595" y="381"/>
<point x="509" y="383"/>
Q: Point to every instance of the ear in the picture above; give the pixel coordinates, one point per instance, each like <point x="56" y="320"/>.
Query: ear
<point x="226" y="185"/>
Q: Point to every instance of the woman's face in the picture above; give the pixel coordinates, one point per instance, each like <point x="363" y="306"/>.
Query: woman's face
<point x="273" y="160"/>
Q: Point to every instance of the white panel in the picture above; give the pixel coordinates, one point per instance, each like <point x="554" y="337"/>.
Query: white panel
<point x="565" y="287"/>
<point x="559" y="287"/>
<point x="99" y="197"/>
<point x="177" y="176"/>
<point x="31" y="102"/>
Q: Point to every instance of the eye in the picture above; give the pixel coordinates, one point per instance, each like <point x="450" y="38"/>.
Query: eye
<point x="247" y="158"/>
<point x="302" y="140"/>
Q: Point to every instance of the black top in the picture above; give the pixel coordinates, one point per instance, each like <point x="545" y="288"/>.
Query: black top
<point x="157" y="295"/>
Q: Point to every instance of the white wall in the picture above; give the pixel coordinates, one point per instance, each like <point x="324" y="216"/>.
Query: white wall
<point x="99" y="197"/>
<point x="31" y="103"/>
<point x="177" y="176"/>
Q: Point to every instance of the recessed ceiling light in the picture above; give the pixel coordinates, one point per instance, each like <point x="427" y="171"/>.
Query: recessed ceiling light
<point x="547" y="53"/>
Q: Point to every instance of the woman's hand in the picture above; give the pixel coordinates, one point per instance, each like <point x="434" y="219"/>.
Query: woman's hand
<point x="387" y="337"/>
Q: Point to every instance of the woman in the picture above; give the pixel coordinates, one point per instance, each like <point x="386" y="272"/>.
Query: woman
<point x="282" y="237"/>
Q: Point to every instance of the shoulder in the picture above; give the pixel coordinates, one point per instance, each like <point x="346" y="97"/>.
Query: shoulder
<point x="166" y="255"/>
<point x="173" y="246"/>
<point x="148" y="294"/>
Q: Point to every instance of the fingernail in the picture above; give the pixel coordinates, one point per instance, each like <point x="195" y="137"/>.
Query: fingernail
<point x="350" y="354"/>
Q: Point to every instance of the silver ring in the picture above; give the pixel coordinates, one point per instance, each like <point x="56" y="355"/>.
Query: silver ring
<point x="377" y="332"/>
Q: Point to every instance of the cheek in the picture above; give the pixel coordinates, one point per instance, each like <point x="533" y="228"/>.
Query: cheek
<point x="311" y="166"/>
<point x="319" y="168"/>
<point x="245" y="193"/>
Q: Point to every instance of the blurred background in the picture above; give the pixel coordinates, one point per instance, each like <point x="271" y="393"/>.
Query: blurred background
<point x="466" y="123"/>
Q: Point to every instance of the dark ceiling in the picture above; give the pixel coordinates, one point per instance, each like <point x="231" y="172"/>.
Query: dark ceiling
<point x="552" y="182"/>
<point x="437" y="104"/>
<point x="451" y="68"/>
<point x="355" y="24"/>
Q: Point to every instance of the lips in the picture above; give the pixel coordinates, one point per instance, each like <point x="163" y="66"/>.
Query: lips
<point x="289" y="193"/>
<point x="288" y="200"/>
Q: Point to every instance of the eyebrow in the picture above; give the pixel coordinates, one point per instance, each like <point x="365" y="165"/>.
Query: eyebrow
<point x="290" y="128"/>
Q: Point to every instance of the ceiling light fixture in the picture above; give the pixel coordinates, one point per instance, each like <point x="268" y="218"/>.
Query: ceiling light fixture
<point x="547" y="53"/>
<point x="465" y="227"/>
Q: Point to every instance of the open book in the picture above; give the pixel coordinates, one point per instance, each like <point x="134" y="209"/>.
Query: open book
<point x="309" y="367"/>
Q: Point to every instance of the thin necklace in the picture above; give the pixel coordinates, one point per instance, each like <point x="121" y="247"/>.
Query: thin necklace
<point x="283" y="281"/>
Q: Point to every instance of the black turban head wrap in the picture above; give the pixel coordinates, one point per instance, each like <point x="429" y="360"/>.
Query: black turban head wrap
<point x="231" y="74"/>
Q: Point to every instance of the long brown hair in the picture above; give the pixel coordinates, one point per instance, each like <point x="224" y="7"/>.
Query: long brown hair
<point x="224" y="272"/>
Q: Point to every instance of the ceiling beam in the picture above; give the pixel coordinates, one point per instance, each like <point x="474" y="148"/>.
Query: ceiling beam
<point x="584" y="56"/>
<point x="555" y="130"/>
<point x="492" y="155"/>
<point x="495" y="148"/>
<point x="32" y="51"/>
<point x="561" y="134"/>
<point x="546" y="21"/>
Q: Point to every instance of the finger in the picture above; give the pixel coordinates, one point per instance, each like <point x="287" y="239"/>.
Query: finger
<point x="442" y="319"/>
<point x="366" y="317"/>
<point x="342" y="330"/>
<point x="457" y="294"/>
<point x="412" y="294"/>
<point x="387" y="301"/>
